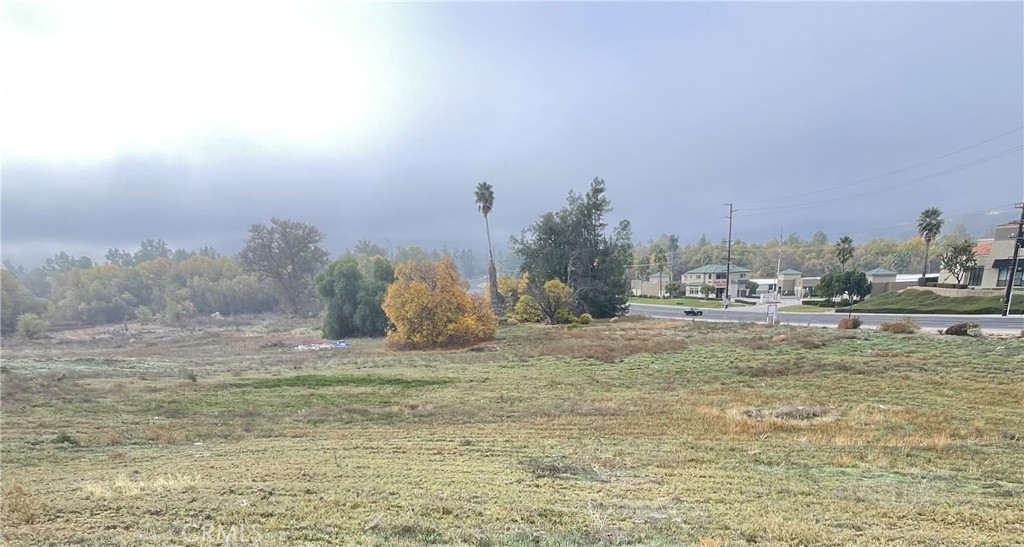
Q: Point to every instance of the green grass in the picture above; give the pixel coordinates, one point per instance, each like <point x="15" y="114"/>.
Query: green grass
<point x="925" y="301"/>
<point x="635" y="432"/>
<point x="689" y="302"/>
<point x="322" y="380"/>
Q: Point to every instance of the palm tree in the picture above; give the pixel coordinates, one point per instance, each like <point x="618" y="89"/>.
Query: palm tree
<point x="929" y="224"/>
<point x="843" y="250"/>
<point x="485" y="203"/>
<point x="659" y="258"/>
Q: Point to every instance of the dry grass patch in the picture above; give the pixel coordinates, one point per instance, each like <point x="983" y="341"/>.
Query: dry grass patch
<point x="123" y="486"/>
<point x="903" y="325"/>
<point x="162" y="434"/>
<point x="610" y="346"/>
<point x="107" y="437"/>
<point x="747" y="422"/>
<point x="611" y="351"/>
<point x="562" y="468"/>
<point x="20" y="506"/>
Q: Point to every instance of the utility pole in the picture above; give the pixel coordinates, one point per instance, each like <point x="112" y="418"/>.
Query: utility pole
<point x="1013" y="262"/>
<point x="728" y="257"/>
<point x="778" y="270"/>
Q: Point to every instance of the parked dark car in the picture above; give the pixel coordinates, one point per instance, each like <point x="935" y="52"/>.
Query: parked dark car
<point x="693" y="311"/>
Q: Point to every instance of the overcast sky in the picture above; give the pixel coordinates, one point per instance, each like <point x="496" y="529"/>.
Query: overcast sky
<point x="190" y="121"/>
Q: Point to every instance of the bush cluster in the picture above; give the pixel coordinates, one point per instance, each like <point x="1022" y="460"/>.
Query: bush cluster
<point x="848" y="323"/>
<point x="903" y="325"/>
<point x="31" y="326"/>
<point x="526" y="310"/>
<point x="564" y="317"/>
<point x="429" y="308"/>
<point x="963" y="329"/>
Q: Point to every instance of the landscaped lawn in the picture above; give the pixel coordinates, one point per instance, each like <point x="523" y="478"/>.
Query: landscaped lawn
<point x="633" y="432"/>
<point x="925" y="301"/>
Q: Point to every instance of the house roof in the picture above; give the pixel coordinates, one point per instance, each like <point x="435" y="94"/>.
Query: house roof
<point x="983" y="248"/>
<point x="790" y="272"/>
<point x="880" y="271"/>
<point x="717" y="268"/>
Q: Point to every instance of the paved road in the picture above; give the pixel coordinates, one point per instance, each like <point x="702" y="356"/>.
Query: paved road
<point x="758" y="314"/>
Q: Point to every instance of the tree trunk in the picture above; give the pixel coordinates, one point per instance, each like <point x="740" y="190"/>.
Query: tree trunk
<point x="492" y="272"/>
<point x="927" y="246"/>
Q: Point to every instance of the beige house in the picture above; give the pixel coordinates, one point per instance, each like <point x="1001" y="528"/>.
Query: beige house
<point x="994" y="257"/>
<point x="715" y="275"/>
<point x="655" y="285"/>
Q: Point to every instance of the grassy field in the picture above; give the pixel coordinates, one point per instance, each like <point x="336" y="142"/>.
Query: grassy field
<point x="925" y="301"/>
<point x="634" y="432"/>
<point x="690" y="302"/>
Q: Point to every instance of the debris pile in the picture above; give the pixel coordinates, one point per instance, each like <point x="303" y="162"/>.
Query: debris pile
<point x="316" y="347"/>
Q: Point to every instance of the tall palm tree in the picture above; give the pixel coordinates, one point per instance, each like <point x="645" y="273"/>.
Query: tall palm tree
<point x="929" y="224"/>
<point x="659" y="259"/>
<point x="843" y="250"/>
<point x="484" y="203"/>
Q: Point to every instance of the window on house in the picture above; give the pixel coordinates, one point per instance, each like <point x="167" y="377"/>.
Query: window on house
<point x="974" y="276"/>
<point x="1004" y="274"/>
<point x="719" y="276"/>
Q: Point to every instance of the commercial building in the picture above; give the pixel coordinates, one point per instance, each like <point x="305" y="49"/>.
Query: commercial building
<point x="715" y="275"/>
<point x="994" y="258"/>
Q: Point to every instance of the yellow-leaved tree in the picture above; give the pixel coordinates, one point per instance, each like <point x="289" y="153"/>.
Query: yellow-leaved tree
<point x="428" y="308"/>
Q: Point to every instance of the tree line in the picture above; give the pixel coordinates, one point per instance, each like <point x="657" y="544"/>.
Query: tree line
<point x="812" y="257"/>
<point x="568" y="266"/>
<point x="283" y="266"/>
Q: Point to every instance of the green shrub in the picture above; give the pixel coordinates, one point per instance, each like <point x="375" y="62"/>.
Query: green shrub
<point x="144" y="314"/>
<point x="31" y="326"/>
<point x="586" y="319"/>
<point x="526" y="310"/>
<point x="903" y="325"/>
<point x="564" y="317"/>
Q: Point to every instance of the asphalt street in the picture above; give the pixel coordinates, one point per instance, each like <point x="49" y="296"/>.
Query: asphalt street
<point x="759" y="314"/>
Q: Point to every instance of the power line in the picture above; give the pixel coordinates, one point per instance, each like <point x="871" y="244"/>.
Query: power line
<point x="889" y="173"/>
<point x="896" y="186"/>
<point x="910" y="223"/>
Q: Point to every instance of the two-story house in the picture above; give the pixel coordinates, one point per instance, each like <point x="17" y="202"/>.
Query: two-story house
<point x="715" y="275"/>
